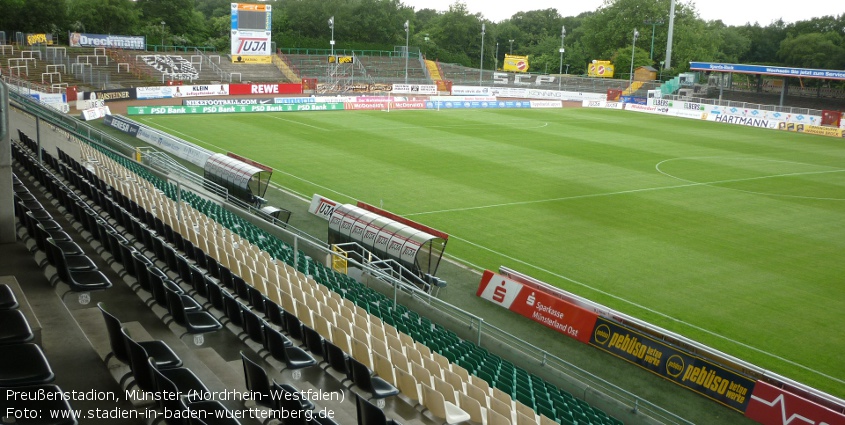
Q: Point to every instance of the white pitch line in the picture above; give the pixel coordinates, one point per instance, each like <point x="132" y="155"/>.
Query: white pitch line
<point x="665" y="316"/>
<point x="624" y="192"/>
<point x="297" y="122"/>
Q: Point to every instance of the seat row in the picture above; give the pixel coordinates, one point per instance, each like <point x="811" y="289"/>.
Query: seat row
<point x="522" y="387"/>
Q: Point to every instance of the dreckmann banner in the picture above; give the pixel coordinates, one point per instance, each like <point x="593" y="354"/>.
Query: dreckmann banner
<point x="133" y="42"/>
<point x="704" y="377"/>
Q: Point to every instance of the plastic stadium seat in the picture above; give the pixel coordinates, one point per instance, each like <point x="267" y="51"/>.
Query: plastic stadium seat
<point x="362" y="377"/>
<point x="14" y="328"/>
<point x="24" y="364"/>
<point x="194" y="322"/>
<point x="8" y="300"/>
<point x="158" y="350"/>
<point x="143" y="369"/>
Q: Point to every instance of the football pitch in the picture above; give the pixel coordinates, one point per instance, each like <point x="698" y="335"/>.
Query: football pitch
<point x="731" y="236"/>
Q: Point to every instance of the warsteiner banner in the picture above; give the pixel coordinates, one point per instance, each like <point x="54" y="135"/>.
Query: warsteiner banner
<point x="715" y="382"/>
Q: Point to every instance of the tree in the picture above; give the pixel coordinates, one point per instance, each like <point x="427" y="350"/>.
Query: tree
<point x="103" y="16"/>
<point x="621" y="59"/>
<point x="814" y="50"/>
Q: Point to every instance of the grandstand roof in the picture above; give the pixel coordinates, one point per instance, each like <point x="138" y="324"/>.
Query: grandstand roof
<point x="781" y="71"/>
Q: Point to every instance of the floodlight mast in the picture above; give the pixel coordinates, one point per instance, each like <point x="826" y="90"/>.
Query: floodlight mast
<point x="407" y="35"/>
<point x="633" y="47"/>
<point x="481" y="65"/>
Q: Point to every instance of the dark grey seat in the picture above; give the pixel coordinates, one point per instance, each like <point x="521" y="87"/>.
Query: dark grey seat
<point x="14" y="329"/>
<point x="158" y="350"/>
<point x="8" y="300"/>
<point x="24" y="364"/>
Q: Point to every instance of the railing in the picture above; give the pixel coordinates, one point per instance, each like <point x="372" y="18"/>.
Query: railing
<point x="224" y="76"/>
<point x="345" y="52"/>
<point x="746" y="105"/>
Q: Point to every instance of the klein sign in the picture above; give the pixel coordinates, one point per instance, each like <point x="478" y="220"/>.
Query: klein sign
<point x="541" y="307"/>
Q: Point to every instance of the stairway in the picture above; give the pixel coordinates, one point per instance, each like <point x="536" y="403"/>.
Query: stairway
<point x="433" y="70"/>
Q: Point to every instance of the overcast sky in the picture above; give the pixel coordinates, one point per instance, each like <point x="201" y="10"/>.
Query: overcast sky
<point x="731" y="12"/>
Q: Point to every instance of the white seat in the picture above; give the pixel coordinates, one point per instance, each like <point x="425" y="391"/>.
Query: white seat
<point x="440" y="408"/>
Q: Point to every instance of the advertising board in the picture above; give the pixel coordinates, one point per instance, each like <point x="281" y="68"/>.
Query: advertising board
<point x="131" y="42"/>
<point x="602" y="104"/>
<point x="228" y="109"/>
<point x="269" y="88"/>
<point x="415" y="89"/>
<point x="704" y="377"/>
<point x="322" y="207"/>
<point x="771" y="405"/>
<point x="539" y="306"/>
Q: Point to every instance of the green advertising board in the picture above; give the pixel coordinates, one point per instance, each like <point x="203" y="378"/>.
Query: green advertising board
<point x="231" y="109"/>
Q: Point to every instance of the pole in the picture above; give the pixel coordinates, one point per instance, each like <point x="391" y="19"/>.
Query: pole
<point x="511" y="41"/>
<point x="560" y="68"/>
<point x="332" y="64"/>
<point x="162" y="35"/>
<point x="496" y="59"/>
<point x="669" y="37"/>
<point x="633" y="47"/>
<point x="653" y="24"/>
<point x="481" y="65"/>
<point x="407" y="35"/>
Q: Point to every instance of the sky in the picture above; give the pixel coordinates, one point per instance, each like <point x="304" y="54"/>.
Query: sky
<point x="731" y="12"/>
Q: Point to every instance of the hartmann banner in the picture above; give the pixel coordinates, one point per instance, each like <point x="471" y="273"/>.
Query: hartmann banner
<point x="715" y="382"/>
<point x="133" y="42"/>
<point x="541" y="307"/>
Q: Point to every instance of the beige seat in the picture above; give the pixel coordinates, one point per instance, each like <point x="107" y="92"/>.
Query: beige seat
<point x="408" y="385"/>
<point x="455" y="380"/>
<point x="523" y="419"/>
<point x="501" y="408"/>
<point x="478" y="394"/>
<point x="480" y="383"/>
<point x="399" y="360"/>
<point x="524" y="409"/>
<point x="361" y="352"/>
<point x="434" y="401"/>
<point x="449" y="392"/>
<point x="502" y="396"/>
<point x="433" y="367"/>
<point x="384" y="369"/>
<point x="495" y="418"/>
<point x="422" y="375"/>
<point x="470" y="405"/>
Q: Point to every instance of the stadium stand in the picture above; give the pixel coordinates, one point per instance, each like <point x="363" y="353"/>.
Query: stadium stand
<point x="119" y="191"/>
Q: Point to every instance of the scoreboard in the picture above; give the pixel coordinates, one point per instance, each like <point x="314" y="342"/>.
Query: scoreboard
<point x="251" y="41"/>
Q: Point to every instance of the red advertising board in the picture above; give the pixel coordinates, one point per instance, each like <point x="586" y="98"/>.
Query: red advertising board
<point x="771" y="405"/>
<point x="267" y="88"/>
<point x="542" y="307"/>
<point x="381" y="105"/>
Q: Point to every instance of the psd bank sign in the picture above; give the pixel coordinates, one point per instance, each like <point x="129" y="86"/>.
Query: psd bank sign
<point x="504" y="78"/>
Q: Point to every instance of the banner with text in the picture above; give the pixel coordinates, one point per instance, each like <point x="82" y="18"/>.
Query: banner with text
<point x="285" y="88"/>
<point x="501" y="104"/>
<point x="812" y="129"/>
<point x="602" y="104"/>
<point x="740" y="120"/>
<point x="383" y="105"/>
<point x="715" y="382"/>
<point x="415" y="88"/>
<point x="228" y="109"/>
<point x="539" y="306"/>
<point x="81" y="39"/>
<point x="771" y="405"/>
<point x="322" y="207"/>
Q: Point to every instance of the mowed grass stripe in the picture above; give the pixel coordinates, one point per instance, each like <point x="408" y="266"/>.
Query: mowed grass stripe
<point x="733" y="258"/>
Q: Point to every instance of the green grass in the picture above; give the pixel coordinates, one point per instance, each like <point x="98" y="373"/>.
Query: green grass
<point x="731" y="236"/>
